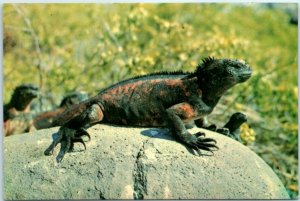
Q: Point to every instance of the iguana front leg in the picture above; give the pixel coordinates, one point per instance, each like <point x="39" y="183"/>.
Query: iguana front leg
<point x="185" y="112"/>
<point x="73" y="130"/>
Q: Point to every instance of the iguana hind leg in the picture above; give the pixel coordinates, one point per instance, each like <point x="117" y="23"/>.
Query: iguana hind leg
<point x="73" y="131"/>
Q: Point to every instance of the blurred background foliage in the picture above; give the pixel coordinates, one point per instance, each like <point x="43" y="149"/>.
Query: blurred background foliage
<point x="70" y="47"/>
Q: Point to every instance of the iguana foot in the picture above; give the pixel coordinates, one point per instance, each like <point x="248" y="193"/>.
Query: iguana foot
<point x="212" y="127"/>
<point x="198" y="142"/>
<point x="67" y="137"/>
<point x="224" y="131"/>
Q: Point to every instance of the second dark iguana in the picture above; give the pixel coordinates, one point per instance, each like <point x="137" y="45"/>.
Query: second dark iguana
<point x="16" y="114"/>
<point x="157" y="100"/>
<point x="232" y="127"/>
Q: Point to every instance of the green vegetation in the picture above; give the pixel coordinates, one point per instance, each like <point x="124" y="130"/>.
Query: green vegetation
<point x="63" y="48"/>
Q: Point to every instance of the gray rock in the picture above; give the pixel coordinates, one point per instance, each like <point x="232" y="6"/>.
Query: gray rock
<point x="127" y="163"/>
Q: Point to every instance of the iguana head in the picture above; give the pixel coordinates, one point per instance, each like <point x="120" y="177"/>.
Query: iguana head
<point x="73" y="98"/>
<point x="218" y="75"/>
<point x="236" y="120"/>
<point x="23" y="95"/>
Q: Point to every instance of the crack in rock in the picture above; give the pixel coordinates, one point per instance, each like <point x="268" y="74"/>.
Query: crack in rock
<point x="139" y="176"/>
<point x="101" y="194"/>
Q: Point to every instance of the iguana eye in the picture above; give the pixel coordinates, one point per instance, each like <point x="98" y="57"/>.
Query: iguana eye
<point x="237" y="66"/>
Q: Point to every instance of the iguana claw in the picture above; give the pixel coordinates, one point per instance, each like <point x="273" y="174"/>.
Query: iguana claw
<point x="197" y="142"/>
<point x="200" y="134"/>
<point x="83" y="132"/>
<point x="67" y="137"/>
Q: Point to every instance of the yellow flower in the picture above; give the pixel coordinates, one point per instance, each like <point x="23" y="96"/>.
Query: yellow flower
<point x="290" y="126"/>
<point x="281" y="87"/>
<point x="149" y="60"/>
<point x="295" y="91"/>
<point x="120" y="49"/>
<point x="183" y="57"/>
<point x="103" y="54"/>
<point x="238" y="106"/>
<point x="120" y="62"/>
<point x="166" y="24"/>
<point x="247" y="134"/>
<point x="116" y="30"/>
<point x="193" y="63"/>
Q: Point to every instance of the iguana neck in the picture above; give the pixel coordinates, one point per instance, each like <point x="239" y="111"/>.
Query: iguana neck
<point x="212" y="92"/>
<point x="232" y="125"/>
<point x="210" y="100"/>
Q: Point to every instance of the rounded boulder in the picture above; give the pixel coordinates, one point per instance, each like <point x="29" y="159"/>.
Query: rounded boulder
<point x="134" y="163"/>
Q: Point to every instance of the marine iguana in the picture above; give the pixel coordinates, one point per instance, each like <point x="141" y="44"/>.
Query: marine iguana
<point x="232" y="127"/>
<point x="165" y="99"/>
<point x="45" y="119"/>
<point x="16" y="113"/>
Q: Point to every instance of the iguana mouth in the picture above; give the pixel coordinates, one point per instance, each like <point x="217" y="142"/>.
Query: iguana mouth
<point x="241" y="117"/>
<point x="244" y="118"/>
<point x="245" y="75"/>
<point x="32" y="93"/>
<point x="30" y="90"/>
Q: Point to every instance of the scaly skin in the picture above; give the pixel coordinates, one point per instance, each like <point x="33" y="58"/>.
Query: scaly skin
<point x="157" y="100"/>
<point x="16" y="112"/>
